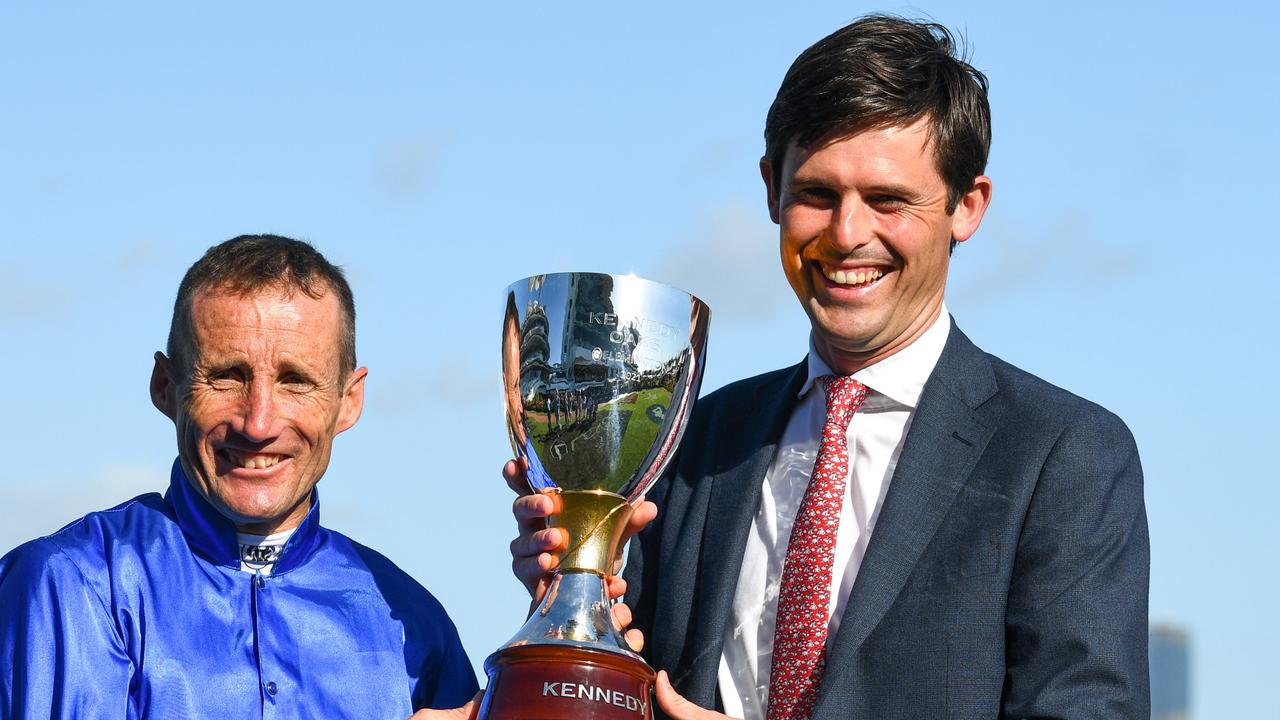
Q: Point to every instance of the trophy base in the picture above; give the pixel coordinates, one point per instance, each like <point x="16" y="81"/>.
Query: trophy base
<point x="563" y="682"/>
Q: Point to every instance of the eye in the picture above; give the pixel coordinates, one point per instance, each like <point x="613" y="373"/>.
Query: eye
<point x="295" y="381"/>
<point x="815" y="195"/>
<point x="224" y="375"/>
<point x="886" y="203"/>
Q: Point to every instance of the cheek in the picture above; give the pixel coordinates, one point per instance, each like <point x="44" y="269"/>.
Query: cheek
<point x="208" y="408"/>
<point x="897" y="225"/>
<point x="195" y="422"/>
<point x="793" y="267"/>
<point x="313" y="418"/>
<point x="793" y="244"/>
<point x="801" y="224"/>
<point x="921" y="246"/>
<point x="791" y="259"/>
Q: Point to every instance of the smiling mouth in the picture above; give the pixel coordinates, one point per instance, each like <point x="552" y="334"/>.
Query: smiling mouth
<point x="851" y="278"/>
<point x="250" y="460"/>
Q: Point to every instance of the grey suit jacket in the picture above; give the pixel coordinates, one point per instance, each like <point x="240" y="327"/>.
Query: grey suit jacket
<point x="1006" y="576"/>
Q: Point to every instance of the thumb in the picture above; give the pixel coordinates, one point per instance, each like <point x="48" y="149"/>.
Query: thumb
<point x="463" y="713"/>
<point x="675" y="704"/>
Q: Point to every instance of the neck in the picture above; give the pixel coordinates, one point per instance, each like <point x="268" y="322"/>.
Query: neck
<point x="271" y="527"/>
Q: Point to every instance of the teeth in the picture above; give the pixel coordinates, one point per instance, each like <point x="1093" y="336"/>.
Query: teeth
<point x="841" y="277"/>
<point x="254" y="462"/>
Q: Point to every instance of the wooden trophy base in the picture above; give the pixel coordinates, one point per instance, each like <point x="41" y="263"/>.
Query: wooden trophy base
<point x="564" y="682"/>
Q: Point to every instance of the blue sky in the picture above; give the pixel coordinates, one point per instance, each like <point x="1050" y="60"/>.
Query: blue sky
<point x="440" y="153"/>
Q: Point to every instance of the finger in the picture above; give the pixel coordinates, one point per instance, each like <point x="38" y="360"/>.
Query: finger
<point x="532" y="568"/>
<point x="635" y="639"/>
<point x="533" y="572"/>
<point x="538" y="591"/>
<point x="530" y="544"/>
<point x="514" y="475"/>
<point x="644" y="514"/>
<point x="615" y="587"/>
<point x="536" y="551"/>
<point x="621" y="615"/>
<point x="621" y="619"/>
<point x="675" y="705"/>
<point x="461" y="713"/>
<point x="531" y="512"/>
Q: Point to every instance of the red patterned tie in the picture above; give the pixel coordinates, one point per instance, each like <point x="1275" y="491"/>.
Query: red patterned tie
<point x="800" y="637"/>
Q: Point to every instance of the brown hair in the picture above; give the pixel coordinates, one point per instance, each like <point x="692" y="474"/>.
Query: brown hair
<point x="884" y="71"/>
<point x="249" y="263"/>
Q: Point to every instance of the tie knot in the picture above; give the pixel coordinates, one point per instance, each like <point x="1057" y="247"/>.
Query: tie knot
<point x="844" y="396"/>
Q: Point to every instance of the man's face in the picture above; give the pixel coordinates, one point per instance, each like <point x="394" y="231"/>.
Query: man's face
<point x="865" y="238"/>
<point x="258" y="407"/>
<point x="511" y="373"/>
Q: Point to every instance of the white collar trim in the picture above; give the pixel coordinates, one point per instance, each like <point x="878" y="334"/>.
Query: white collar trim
<point x="899" y="378"/>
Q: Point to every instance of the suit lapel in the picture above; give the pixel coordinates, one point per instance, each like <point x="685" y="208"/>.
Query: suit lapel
<point x="756" y="427"/>
<point x="946" y="438"/>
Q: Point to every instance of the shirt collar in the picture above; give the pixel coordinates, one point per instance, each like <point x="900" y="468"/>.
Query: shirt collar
<point x="898" y="379"/>
<point x="213" y="536"/>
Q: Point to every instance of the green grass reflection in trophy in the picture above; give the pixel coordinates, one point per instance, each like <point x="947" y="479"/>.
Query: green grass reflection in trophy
<point x="600" y="373"/>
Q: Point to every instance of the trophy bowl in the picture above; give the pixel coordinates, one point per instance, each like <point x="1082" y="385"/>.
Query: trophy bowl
<point x="600" y="373"/>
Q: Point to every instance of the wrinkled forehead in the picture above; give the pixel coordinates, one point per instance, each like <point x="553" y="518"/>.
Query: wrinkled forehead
<point x="267" y="320"/>
<point x="271" y="305"/>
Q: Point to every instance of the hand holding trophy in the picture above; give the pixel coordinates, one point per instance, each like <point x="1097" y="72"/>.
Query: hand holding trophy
<point x="600" y="374"/>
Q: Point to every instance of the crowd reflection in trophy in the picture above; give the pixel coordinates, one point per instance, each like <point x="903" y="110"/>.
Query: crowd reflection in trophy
<point x="598" y="386"/>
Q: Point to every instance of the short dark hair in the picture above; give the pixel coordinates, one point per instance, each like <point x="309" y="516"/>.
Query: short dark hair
<point x="885" y="71"/>
<point x="250" y="263"/>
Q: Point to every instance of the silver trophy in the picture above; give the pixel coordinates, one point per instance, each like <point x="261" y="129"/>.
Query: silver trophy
<point x="600" y="374"/>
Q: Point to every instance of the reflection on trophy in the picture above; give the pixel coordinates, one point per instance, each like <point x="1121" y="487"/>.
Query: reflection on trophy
<point x="600" y="373"/>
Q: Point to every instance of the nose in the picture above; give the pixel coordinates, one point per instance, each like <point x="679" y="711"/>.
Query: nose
<point x="259" y="411"/>
<point x="850" y="224"/>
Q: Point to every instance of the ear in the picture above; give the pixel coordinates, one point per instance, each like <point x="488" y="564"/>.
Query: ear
<point x="969" y="211"/>
<point x="352" y="400"/>
<point x="766" y="174"/>
<point x="164" y="392"/>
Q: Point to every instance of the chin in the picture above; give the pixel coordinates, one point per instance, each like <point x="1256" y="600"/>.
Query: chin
<point x="255" y="511"/>
<point x="847" y="337"/>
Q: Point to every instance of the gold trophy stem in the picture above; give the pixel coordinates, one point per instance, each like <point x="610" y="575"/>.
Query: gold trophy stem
<point x="595" y="520"/>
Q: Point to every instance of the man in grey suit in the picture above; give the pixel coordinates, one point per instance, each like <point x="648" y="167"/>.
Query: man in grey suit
<point x="981" y="542"/>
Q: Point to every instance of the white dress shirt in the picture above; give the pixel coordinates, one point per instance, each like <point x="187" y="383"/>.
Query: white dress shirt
<point x="875" y="438"/>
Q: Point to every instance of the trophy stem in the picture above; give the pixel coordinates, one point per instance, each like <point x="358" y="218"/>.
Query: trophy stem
<point x="575" y="611"/>
<point x="595" y="520"/>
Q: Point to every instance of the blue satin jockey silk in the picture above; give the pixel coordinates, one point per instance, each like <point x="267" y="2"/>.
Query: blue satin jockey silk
<point x="142" y="611"/>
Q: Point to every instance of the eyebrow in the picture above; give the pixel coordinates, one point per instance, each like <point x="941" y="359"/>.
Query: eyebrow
<point x="878" y="188"/>
<point x="306" y="373"/>
<point x="806" y="180"/>
<point x="218" y="365"/>
<point x="893" y="189"/>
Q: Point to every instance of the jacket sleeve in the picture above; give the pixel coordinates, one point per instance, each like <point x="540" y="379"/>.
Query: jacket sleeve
<point x="447" y="681"/>
<point x="641" y="571"/>
<point x="454" y="682"/>
<point x="1076" y="622"/>
<point x="62" y="656"/>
